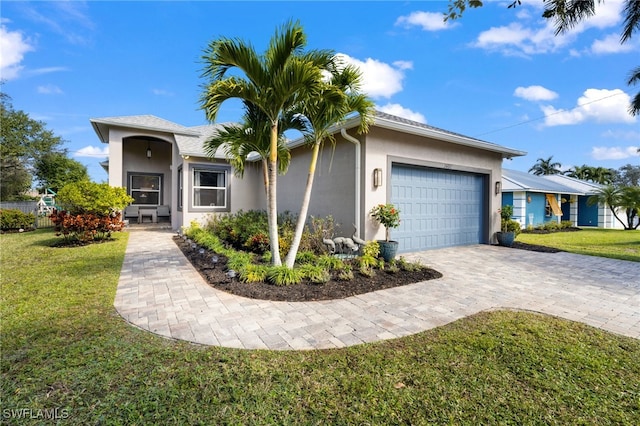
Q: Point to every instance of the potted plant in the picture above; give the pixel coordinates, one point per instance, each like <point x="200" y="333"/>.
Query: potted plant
<point x="389" y="217"/>
<point x="509" y="228"/>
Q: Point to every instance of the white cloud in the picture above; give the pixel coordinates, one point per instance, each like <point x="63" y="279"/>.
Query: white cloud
<point x="517" y="40"/>
<point x="379" y="79"/>
<point x="92" y="151"/>
<point x="531" y="35"/>
<point x="614" y="152"/>
<point x="611" y="44"/>
<point x="400" y="111"/>
<point x="429" y="21"/>
<point x="599" y="105"/>
<point x="535" y="93"/>
<point x="50" y="89"/>
<point x="629" y="135"/>
<point x="13" y="47"/>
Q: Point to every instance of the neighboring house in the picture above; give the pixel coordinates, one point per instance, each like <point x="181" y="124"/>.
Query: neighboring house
<point x="553" y="198"/>
<point x="446" y="185"/>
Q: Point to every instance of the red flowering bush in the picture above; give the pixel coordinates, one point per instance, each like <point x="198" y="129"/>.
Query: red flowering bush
<point x="85" y="227"/>
<point x="387" y="215"/>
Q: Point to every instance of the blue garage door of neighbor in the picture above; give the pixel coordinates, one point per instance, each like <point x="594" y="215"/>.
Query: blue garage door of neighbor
<point x="438" y="208"/>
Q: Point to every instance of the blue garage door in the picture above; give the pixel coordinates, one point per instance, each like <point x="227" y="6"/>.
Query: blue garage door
<point x="438" y="208"/>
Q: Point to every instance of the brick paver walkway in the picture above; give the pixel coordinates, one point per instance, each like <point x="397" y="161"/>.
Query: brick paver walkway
<point x="161" y="292"/>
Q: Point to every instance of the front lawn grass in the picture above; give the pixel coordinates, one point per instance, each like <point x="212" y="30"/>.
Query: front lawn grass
<point x="613" y="243"/>
<point x="65" y="347"/>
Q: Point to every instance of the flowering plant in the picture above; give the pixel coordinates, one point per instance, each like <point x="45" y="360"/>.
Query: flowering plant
<point x="388" y="216"/>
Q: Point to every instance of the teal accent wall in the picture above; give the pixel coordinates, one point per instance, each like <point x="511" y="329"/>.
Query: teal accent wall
<point x="537" y="207"/>
<point x="587" y="215"/>
<point x="507" y="198"/>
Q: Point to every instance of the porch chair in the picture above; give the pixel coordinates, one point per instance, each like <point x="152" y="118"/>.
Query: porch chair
<point x="163" y="212"/>
<point x="131" y="212"/>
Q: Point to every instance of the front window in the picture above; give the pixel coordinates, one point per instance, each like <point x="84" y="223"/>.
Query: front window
<point x="145" y="189"/>
<point x="210" y="188"/>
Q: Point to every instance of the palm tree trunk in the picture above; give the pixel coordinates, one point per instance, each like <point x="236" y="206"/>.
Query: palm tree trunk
<point x="302" y="217"/>
<point x="616" y="216"/>
<point x="272" y="199"/>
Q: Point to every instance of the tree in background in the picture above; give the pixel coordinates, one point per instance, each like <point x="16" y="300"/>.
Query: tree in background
<point x="54" y="170"/>
<point x="28" y="150"/>
<point x="545" y="167"/>
<point x="627" y="175"/>
<point x="566" y="15"/>
<point x="601" y="175"/>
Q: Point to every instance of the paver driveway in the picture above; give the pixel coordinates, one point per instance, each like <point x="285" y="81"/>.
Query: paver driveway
<point x="161" y="292"/>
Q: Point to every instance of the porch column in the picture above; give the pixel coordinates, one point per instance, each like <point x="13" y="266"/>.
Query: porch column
<point x="573" y="210"/>
<point x="115" y="161"/>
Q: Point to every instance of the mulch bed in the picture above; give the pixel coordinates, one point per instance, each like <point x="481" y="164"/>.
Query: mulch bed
<point x="305" y="291"/>
<point x="533" y="247"/>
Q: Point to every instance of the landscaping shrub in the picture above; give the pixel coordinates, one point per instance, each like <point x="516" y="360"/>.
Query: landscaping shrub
<point x="283" y="276"/>
<point x="85" y="227"/>
<point x="315" y="273"/>
<point x="254" y="273"/>
<point x="91" y="211"/>
<point x="13" y="219"/>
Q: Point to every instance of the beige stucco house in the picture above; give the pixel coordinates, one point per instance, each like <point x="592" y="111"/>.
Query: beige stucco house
<point x="446" y="185"/>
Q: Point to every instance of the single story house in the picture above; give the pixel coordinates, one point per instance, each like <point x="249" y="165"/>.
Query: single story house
<point x="446" y="185"/>
<point x="553" y="198"/>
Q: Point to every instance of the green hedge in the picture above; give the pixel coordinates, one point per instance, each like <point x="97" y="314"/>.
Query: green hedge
<point x="11" y="219"/>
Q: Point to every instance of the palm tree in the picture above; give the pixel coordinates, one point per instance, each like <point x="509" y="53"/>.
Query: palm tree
<point x="252" y="135"/>
<point x="583" y="172"/>
<point x="338" y="98"/>
<point x="612" y="197"/>
<point x="601" y="175"/>
<point x="545" y="167"/>
<point x="634" y="77"/>
<point x="275" y="81"/>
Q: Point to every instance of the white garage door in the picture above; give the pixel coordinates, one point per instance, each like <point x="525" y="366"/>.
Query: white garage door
<point x="438" y="208"/>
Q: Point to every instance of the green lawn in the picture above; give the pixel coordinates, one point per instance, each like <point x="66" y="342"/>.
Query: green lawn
<point x="64" y="347"/>
<point x="613" y="243"/>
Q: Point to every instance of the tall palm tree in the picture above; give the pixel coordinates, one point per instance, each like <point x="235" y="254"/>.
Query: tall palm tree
<point x="274" y="81"/>
<point x="338" y="98"/>
<point x="252" y="135"/>
<point x="546" y="167"/>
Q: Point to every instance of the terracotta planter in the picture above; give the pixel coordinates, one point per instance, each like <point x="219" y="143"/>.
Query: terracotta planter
<point x="388" y="249"/>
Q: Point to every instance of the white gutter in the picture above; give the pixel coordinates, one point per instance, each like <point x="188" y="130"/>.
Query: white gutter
<point x="356" y="142"/>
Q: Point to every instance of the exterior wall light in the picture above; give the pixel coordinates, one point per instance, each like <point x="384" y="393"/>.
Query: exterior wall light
<point x="498" y="187"/>
<point x="377" y="178"/>
<point x="149" y="150"/>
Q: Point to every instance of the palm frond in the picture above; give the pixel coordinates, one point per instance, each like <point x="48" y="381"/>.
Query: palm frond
<point x="632" y="19"/>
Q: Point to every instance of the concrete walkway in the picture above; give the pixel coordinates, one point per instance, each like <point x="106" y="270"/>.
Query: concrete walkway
<point x="161" y="292"/>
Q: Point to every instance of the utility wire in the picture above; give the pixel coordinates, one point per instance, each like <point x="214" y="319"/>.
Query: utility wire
<point x="548" y="115"/>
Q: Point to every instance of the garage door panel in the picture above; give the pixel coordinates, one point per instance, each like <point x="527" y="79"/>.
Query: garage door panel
<point x="439" y="208"/>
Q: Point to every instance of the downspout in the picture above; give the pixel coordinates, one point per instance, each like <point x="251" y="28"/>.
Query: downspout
<point x="356" y="142"/>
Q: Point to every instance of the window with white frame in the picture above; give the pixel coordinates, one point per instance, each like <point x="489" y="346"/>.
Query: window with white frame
<point x="209" y="189"/>
<point x="180" y="189"/>
<point x="146" y="189"/>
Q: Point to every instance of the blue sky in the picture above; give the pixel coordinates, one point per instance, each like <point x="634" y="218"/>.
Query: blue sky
<point x="497" y="74"/>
